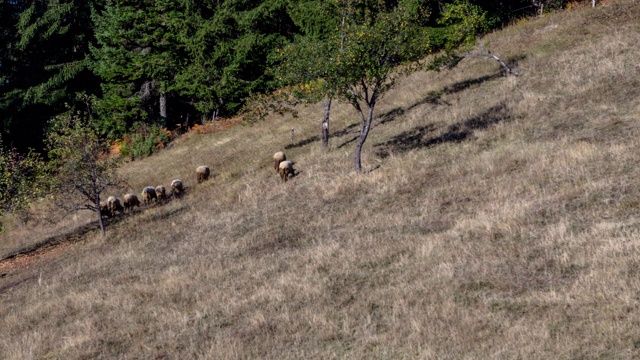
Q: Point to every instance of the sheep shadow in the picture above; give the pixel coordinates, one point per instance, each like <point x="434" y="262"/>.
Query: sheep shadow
<point x="418" y="137"/>
<point x="293" y="174"/>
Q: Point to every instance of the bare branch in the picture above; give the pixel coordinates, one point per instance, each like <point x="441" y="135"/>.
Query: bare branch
<point x="480" y="51"/>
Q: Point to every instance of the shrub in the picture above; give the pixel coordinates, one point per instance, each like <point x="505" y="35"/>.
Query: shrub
<point x="144" y="140"/>
<point x="22" y="179"/>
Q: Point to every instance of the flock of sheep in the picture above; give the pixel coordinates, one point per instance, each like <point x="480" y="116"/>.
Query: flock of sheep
<point x="113" y="204"/>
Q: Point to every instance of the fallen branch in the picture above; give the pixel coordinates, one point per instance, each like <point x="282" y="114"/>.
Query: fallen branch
<point x="482" y="52"/>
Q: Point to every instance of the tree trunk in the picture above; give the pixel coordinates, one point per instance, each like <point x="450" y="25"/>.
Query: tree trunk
<point x="214" y="115"/>
<point x="100" y="215"/>
<point x="325" y="124"/>
<point x="364" y="132"/>
<point x="163" y="106"/>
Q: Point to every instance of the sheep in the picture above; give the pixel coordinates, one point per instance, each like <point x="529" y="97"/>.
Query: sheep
<point x="148" y="194"/>
<point x="130" y="200"/>
<point x="113" y="203"/>
<point x="161" y="192"/>
<point x="277" y="159"/>
<point x="202" y="173"/>
<point x="286" y="170"/>
<point x="177" y="188"/>
<point x="104" y="209"/>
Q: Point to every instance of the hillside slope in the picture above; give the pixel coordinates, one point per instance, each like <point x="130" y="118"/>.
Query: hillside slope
<point x="498" y="218"/>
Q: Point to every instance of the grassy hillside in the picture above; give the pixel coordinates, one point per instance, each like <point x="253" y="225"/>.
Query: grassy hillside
<point x="498" y="218"/>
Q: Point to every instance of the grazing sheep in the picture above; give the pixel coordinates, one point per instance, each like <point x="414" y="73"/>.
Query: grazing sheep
<point x="277" y="159"/>
<point x="148" y="194"/>
<point x="286" y="170"/>
<point x="113" y="203"/>
<point x="130" y="200"/>
<point x="104" y="209"/>
<point x="176" y="187"/>
<point x="161" y="193"/>
<point x="202" y="173"/>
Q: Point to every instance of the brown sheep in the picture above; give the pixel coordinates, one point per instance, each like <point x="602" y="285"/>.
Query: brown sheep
<point x="130" y="201"/>
<point x="286" y="170"/>
<point x="113" y="203"/>
<point x="277" y="159"/>
<point x="161" y="193"/>
<point x="148" y="194"/>
<point x="177" y="187"/>
<point x="202" y="173"/>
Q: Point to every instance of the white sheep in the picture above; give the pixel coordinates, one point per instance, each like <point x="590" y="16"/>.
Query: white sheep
<point x="148" y="194"/>
<point x="286" y="170"/>
<point x="177" y="187"/>
<point x="202" y="173"/>
<point x="161" y="193"/>
<point x="130" y="201"/>
<point x="277" y="159"/>
<point x="113" y="203"/>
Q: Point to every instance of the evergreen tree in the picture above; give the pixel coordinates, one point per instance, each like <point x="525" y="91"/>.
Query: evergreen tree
<point x="43" y="63"/>
<point x="138" y="55"/>
<point x="230" y="46"/>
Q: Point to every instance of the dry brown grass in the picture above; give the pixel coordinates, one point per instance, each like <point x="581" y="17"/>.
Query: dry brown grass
<point x="499" y="220"/>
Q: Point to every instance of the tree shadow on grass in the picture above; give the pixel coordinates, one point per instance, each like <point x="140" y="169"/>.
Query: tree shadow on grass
<point x="302" y="143"/>
<point x="337" y="134"/>
<point x="434" y="98"/>
<point x="79" y="233"/>
<point x="419" y="137"/>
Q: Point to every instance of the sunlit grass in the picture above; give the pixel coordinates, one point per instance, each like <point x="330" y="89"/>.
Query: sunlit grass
<point x="495" y="219"/>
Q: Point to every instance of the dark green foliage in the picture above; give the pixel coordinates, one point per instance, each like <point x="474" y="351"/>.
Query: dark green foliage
<point x="208" y="57"/>
<point x="43" y="64"/>
<point x="463" y="22"/>
<point x="315" y="18"/>
<point x="437" y="37"/>
<point x="138" y="55"/>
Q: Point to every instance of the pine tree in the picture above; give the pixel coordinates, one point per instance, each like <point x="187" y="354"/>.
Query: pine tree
<point x="43" y="63"/>
<point x="230" y="46"/>
<point x="138" y="56"/>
